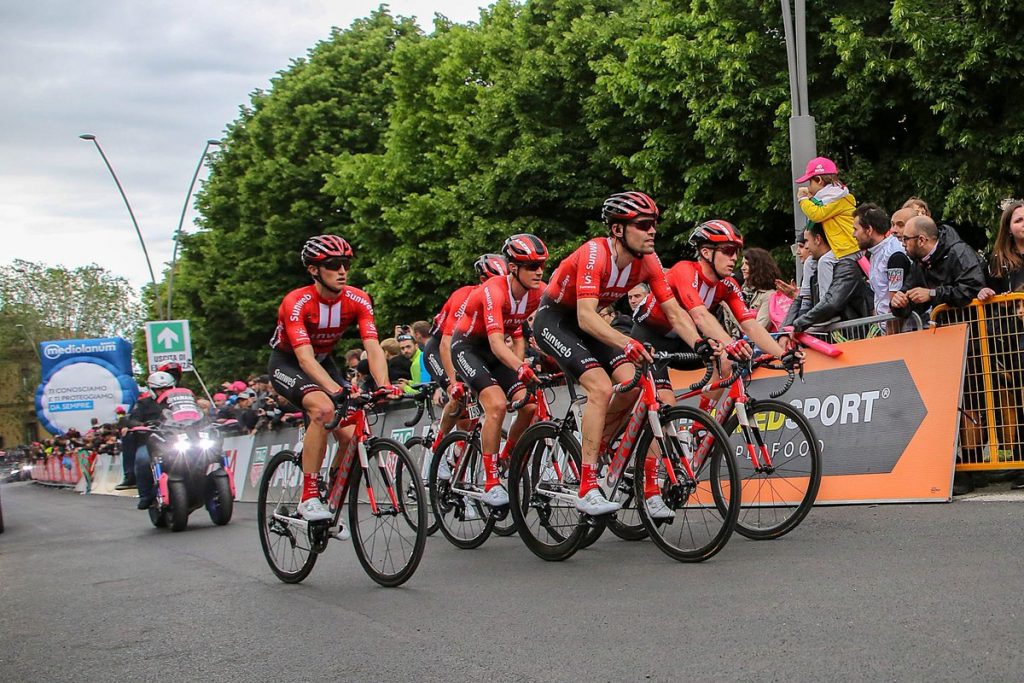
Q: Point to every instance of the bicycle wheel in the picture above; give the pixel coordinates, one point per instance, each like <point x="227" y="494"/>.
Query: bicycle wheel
<point x="286" y="547"/>
<point x="421" y="456"/>
<point x="462" y="520"/>
<point x="549" y="524"/>
<point x="388" y="546"/>
<point x="777" y="496"/>
<point x="700" y="527"/>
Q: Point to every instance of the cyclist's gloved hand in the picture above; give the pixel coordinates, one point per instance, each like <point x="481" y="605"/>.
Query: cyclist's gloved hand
<point x="703" y="348"/>
<point x="526" y="374"/>
<point x="456" y="390"/>
<point x="739" y="350"/>
<point x="793" y="357"/>
<point x="391" y="391"/>
<point x="635" y="352"/>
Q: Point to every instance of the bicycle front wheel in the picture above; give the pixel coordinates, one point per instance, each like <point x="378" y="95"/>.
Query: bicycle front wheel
<point x="780" y="486"/>
<point x="421" y="456"/>
<point x="704" y="506"/>
<point x="541" y="478"/>
<point x="286" y="546"/>
<point x="462" y="519"/>
<point x="387" y="544"/>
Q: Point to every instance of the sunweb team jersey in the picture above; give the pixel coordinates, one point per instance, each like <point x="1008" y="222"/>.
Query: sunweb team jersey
<point x="590" y="272"/>
<point x="692" y="289"/>
<point x="492" y="309"/>
<point x="454" y="307"/>
<point x="304" y="318"/>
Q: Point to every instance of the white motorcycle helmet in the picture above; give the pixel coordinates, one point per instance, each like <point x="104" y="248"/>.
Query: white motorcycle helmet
<point x="160" y="381"/>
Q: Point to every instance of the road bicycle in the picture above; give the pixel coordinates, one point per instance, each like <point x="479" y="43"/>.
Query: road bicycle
<point x="464" y="519"/>
<point x="421" y="448"/>
<point x="778" y="454"/>
<point x="705" y="499"/>
<point x="388" y="546"/>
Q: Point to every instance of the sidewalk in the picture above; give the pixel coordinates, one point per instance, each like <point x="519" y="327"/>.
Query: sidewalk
<point x="995" y="492"/>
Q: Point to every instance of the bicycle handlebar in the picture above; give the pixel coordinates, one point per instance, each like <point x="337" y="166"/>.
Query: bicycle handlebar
<point x="345" y="402"/>
<point x="543" y="382"/>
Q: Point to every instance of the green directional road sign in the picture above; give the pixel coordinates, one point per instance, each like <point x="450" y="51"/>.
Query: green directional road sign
<point x="168" y="341"/>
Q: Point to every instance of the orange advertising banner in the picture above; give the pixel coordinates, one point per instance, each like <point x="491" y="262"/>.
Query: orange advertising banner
<point x="884" y="414"/>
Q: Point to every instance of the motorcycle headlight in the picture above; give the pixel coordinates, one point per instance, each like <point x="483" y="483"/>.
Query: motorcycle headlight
<point x="182" y="443"/>
<point x="205" y="442"/>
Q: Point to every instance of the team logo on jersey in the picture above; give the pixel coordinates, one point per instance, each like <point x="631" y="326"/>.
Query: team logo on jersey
<point x="362" y="301"/>
<point x="895" y="279"/>
<point x="283" y="378"/>
<point x="297" y="308"/>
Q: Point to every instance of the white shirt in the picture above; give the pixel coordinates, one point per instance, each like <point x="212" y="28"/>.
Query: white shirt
<point x="878" y="276"/>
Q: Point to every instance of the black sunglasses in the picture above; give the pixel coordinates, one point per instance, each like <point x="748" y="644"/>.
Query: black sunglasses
<point x="645" y="224"/>
<point x="336" y="263"/>
<point x="532" y="265"/>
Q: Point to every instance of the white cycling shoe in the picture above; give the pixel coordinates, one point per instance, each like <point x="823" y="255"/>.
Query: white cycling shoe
<point x="444" y="470"/>
<point x="313" y="510"/>
<point x="496" y="497"/>
<point x="595" y="504"/>
<point x="471" y="513"/>
<point x="656" y="508"/>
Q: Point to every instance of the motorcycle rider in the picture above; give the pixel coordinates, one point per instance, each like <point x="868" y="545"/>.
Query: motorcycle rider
<point x="147" y="410"/>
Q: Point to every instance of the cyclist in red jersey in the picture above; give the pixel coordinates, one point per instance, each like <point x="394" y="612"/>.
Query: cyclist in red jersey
<point x="570" y="329"/>
<point x="437" y="351"/>
<point x="701" y="286"/>
<point x="496" y="309"/>
<point x="310" y="321"/>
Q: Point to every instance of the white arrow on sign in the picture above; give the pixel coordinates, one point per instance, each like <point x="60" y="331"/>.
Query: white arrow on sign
<point x="167" y="337"/>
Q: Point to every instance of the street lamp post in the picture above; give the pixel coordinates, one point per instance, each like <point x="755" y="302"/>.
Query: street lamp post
<point x="92" y="138"/>
<point x="802" y="141"/>
<point x="181" y="222"/>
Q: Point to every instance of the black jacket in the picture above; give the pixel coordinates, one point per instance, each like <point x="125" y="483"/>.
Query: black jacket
<point x="954" y="271"/>
<point x="1003" y="280"/>
<point x="145" y="410"/>
<point x="848" y="298"/>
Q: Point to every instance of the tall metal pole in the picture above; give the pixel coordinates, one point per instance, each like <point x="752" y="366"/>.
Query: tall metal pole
<point x="149" y="264"/>
<point x="181" y="222"/>
<point x="802" y="138"/>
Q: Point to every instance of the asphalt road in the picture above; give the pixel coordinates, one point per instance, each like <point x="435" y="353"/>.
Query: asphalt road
<point x="89" y="591"/>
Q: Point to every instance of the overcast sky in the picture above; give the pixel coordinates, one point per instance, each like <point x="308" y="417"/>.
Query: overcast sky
<point x="153" y="80"/>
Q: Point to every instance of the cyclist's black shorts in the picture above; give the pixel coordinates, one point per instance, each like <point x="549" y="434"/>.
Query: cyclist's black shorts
<point x="432" y="359"/>
<point x="673" y="344"/>
<point x="292" y="383"/>
<point x="558" y="334"/>
<point x="477" y="366"/>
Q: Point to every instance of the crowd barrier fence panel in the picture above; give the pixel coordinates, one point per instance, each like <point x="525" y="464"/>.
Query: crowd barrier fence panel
<point x="992" y="414"/>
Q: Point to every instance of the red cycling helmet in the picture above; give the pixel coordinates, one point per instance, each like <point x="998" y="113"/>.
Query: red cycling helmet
<point x="715" y="233"/>
<point x="172" y="369"/>
<point x="524" y="248"/>
<point x="491" y="265"/>
<point x="322" y="247"/>
<point x="625" y="206"/>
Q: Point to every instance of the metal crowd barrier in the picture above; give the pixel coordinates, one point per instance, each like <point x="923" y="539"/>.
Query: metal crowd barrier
<point x="866" y="328"/>
<point x="992" y="414"/>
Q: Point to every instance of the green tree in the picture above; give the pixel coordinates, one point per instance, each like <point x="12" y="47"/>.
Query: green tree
<point x="264" y="195"/>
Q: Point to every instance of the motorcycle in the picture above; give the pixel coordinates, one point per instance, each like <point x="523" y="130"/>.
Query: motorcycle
<point x="190" y="469"/>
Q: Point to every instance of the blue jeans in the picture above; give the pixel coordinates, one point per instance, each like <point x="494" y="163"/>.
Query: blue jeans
<point x="144" y="473"/>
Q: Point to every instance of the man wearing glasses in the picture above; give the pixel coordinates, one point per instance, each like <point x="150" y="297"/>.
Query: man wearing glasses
<point x="945" y="269"/>
<point x="310" y="320"/>
<point x="569" y="327"/>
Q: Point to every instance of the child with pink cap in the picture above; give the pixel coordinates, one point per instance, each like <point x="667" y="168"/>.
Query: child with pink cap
<point x="827" y="201"/>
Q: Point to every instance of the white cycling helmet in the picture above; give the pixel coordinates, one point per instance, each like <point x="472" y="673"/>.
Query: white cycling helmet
<point x="160" y="381"/>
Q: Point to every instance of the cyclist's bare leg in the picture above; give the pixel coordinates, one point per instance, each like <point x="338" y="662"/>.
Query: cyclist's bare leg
<point x="619" y="408"/>
<point x="320" y="409"/>
<point x="597" y="385"/>
<point x="524" y="418"/>
<point x="343" y="435"/>
<point x="492" y="401"/>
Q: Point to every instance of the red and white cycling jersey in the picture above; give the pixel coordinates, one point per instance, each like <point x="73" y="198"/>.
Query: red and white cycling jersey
<point x="590" y="273"/>
<point x="492" y="309"/>
<point x="692" y="289"/>
<point x="454" y="307"/>
<point x="305" y="318"/>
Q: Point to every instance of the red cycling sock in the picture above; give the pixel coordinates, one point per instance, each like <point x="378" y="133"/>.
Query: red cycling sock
<point x="437" y="441"/>
<point x="310" y="485"/>
<point x="589" y="478"/>
<point x="651" y="487"/>
<point x="506" y="451"/>
<point x="491" y="470"/>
